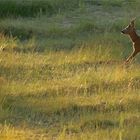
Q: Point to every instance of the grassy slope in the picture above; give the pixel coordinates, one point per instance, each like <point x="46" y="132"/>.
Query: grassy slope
<point x="80" y="93"/>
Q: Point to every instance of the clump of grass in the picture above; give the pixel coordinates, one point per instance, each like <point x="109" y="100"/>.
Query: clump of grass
<point x="8" y="43"/>
<point x="9" y="132"/>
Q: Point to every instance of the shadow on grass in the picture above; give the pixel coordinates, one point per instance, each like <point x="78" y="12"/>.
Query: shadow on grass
<point x="22" y="109"/>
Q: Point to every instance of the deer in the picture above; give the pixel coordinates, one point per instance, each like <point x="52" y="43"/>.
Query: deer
<point x="131" y="31"/>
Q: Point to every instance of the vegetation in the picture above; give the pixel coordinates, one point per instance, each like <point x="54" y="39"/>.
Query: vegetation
<point x="61" y="70"/>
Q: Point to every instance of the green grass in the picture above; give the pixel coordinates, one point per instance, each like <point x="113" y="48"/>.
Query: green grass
<point x="61" y="71"/>
<point x="33" y="8"/>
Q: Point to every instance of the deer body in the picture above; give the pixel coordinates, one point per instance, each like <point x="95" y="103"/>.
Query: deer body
<point x="130" y="30"/>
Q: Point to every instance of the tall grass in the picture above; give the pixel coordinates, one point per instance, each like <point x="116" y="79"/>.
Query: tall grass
<point x="68" y="96"/>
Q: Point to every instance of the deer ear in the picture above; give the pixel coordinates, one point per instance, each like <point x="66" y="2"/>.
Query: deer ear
<point x="133" y="21"/>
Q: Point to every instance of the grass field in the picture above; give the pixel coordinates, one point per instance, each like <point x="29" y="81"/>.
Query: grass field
<point x="61" y="70"/>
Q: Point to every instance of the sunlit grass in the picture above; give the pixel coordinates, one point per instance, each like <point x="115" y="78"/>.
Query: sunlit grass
<point x="70" y="90"/>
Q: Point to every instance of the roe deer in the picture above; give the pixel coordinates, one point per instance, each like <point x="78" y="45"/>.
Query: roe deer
<point x="131" y="31"/>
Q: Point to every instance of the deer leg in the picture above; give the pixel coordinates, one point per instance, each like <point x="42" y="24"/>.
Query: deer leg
<point x="131" y="56"/>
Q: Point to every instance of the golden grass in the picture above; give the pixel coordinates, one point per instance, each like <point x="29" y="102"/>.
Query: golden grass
<point x="65" y="97"/>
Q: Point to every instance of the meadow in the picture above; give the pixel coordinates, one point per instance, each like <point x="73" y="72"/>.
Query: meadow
<point x="62" y="72"/>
